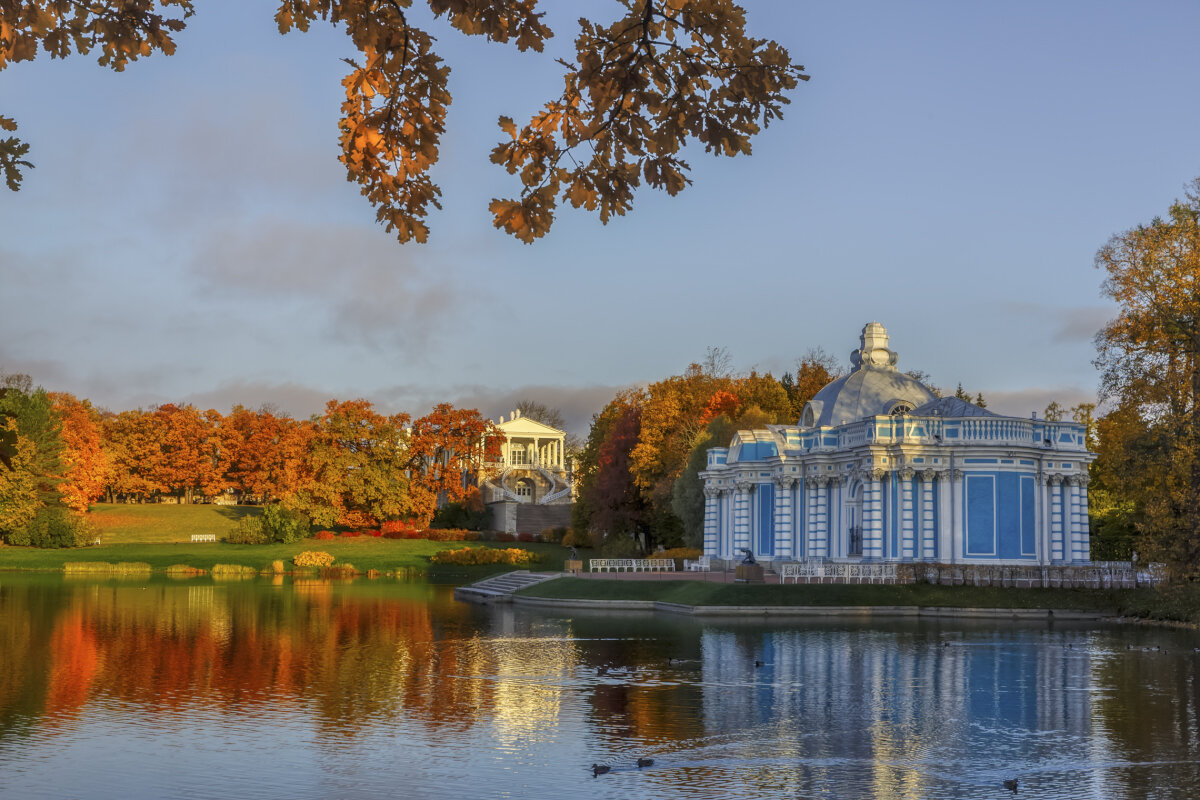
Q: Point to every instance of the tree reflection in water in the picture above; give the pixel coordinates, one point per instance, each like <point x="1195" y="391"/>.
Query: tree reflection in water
<point x="369" y="684"/>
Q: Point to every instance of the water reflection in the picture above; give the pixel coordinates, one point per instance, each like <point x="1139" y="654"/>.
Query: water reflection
<point x="318" y="689"/>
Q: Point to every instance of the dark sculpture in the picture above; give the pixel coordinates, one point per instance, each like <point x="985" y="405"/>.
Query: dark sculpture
<point x="749" y="559"/>
<point x="574" y="554"/>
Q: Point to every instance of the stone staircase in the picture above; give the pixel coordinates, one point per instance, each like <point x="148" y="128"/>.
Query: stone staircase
<point x="500" y="588"/>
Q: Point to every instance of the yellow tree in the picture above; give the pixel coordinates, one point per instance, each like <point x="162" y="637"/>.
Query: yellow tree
<point x="86" y="465"/>
<point x="1149" y="358"/>
<point x="665" y="73"/>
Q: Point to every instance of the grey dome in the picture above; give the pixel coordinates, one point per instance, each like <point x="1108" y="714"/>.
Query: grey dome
<point x="873" y="387"/>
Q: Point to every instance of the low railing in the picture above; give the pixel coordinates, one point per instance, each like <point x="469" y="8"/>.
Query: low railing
<point x="837" y="573"/>
<point x="632" y="564"/>
<point x="204" y="537"/>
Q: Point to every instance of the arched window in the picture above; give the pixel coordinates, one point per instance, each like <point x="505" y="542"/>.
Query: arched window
<point x="525" y="488"/>
<point x="808" y="418"/>
<point x="901" y="409"/>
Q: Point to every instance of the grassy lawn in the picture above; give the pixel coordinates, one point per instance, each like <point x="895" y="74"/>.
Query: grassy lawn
<point x="160" y="535"/>
<point x="1147" y="603"/>
<point x="119" y="523"/>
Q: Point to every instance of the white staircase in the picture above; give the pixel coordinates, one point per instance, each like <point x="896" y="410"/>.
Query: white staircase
<point x="500" y="588"/>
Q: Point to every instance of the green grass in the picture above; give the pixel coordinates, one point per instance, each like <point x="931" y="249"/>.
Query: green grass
<point x="1147" y="603"/>
<point x="120" y="523"/>
<point x="160" y="535"/>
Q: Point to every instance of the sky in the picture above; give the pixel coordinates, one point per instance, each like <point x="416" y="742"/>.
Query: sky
<point x="950" y="170"/>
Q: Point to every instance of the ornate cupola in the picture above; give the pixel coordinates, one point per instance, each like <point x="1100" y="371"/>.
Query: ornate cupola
<point x="873" y="348"/>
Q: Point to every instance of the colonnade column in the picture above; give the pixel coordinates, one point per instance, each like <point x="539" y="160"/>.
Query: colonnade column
<point x="1084" y="551"/>
<point x="945" y="518"/>
<point x="1057" y="518"/>
<point x="956" y="505"/>
<point x="741" y="516"/>
<point x="928" y="535"/>
<point x="873" y="516"/>
<point x="908" y="542"/>
<point x="712" y="510"/>
<point x="785" y="517"/>
<point x="1043" y="539"/>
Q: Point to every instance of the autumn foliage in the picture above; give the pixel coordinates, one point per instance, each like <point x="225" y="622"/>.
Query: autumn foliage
<point x="635" y="92"/>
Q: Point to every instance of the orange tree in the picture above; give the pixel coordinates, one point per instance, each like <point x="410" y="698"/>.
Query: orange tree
<point x="1149" y="358"/>
<point x="636" y="91"/>
<point x="85" y="463"/>
<point x="445" y="447"/>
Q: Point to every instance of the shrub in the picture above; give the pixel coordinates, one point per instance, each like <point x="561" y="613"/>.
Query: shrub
<point x="277" y="566"/>
<point x="53" y="526"/>
<point x="485" y="555"/>
<point x="679" y="552"/>
<point x="232" y="570"/>
<point x="524" y="537"/>
<point x="472" y="536"/>
<point x="284" y="525"/>
<point x="323" y="535"/>
<point x="313" y="558"/>
<point x="183" y="569"/>
<point x="248" y="530"/>
<point x="620" y="547"/>
<point x="126" y="567"/>
<point x="576" y="539"/>
<point x="351" y="534"/>
<point x="501" y="536"/>
<point x="554" y="534"/>
<point x="461" y="515"/>
<point x="445" y="535"/>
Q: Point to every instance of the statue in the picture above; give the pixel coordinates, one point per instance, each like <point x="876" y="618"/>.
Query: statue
<point x="749" y="559"/>
<point x="574" y="554"/>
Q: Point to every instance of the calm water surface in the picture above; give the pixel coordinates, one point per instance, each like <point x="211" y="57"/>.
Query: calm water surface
<point x="317" y="689"/>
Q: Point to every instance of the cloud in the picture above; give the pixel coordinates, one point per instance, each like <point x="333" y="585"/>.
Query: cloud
<point x="1081" y="324"/>
<point x="356" y="280"/>
<point x="1021" y="402"/>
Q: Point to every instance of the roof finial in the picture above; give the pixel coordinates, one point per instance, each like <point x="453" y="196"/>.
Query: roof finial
<point x="873" y="349"/>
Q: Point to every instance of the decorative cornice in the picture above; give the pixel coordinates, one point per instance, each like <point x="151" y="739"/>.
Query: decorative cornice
<point x="906" y="473"/>
<point x="785" y="481"/>
<point x="743" y="485"/>
<point x="929" y="475"/>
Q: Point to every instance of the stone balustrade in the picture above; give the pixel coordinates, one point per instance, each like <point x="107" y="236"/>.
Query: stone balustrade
<point x="1097" y="575"/>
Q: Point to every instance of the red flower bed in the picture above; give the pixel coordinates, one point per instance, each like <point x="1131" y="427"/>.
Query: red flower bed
<point x="351" y="534"/>
<point x="505" y="537"/>
<point x="324" y="535"/>
<point x="522" y="537"/>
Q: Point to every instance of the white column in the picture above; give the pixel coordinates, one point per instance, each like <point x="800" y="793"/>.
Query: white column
<point x="741" y="517"/>
<point x="873" y="519"/>
<point x="1085" y="534"/>
<point x="956" y="504"/>
<point x="945" y="519"/>
<point x="1043" y="494"/>
<point x="1073" y="510"/>
<point x="785" y="517"/>
<point x="928" y="535"/>
<point x="1057" y="519"/>
<point x="822" y="550"/>
<point x="908" y="544"/>
<point x="712" y="511"/>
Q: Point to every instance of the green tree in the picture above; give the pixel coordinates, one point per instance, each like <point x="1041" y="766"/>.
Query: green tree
<point x="33" y="411"/>
<point x="664" y="74"/>
<point x="1149" y="357"/>
<point x="355" y="473"/>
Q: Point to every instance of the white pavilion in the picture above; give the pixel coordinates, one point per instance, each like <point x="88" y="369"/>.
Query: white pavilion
<point x="879" y="469"/>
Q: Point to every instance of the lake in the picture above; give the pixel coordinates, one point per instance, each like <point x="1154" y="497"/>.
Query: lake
<point x="311" y="688"/>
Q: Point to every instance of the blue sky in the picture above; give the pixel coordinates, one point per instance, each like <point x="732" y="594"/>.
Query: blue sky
<point x="950" y="170"/>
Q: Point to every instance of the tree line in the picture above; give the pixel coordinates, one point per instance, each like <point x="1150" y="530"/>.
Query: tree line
<point x="350" y="466"/>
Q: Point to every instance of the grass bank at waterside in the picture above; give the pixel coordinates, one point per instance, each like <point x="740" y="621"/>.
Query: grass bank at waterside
<point x="1176" y="603"/>
<point x="410" y="556"/>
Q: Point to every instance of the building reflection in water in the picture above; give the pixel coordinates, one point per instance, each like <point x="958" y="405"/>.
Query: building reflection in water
<point x="903" y="709"/>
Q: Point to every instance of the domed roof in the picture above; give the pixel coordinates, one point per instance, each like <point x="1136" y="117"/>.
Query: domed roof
<point x="873" y="387"/>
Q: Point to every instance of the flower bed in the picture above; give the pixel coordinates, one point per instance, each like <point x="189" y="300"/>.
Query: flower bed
<point x="313" y="558"/>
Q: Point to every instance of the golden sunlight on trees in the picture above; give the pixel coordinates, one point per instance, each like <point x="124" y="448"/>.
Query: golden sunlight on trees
<point x="665" y="74"/>
<point x="1149" y="358"/>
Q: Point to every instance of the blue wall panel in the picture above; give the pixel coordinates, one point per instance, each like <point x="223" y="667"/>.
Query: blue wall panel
<point x="1028" y="521"/>
<point x="1008" y="514"/>
<point x="981" y="515"/>
<point x="766" y="519"/>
